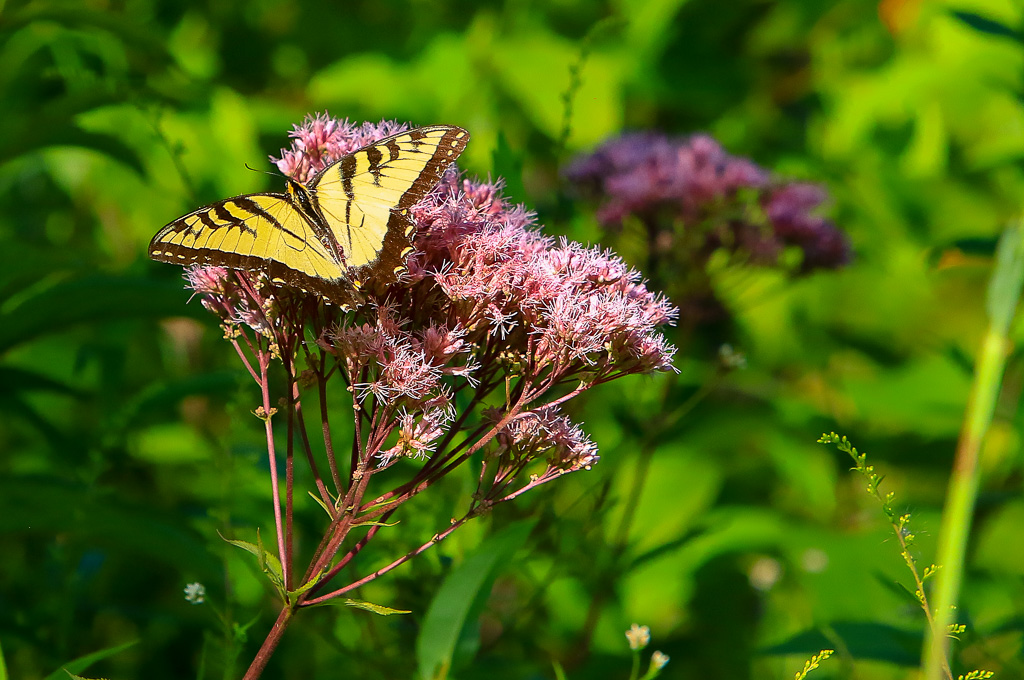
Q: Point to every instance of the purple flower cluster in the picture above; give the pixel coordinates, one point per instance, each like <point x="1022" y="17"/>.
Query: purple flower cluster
<point x="692" y="183"/>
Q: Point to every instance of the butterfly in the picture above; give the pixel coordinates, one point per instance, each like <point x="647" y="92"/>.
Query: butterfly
<point x="349" y="224"/>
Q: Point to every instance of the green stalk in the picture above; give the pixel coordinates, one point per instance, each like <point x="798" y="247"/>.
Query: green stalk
<point x="1003" y="294"/>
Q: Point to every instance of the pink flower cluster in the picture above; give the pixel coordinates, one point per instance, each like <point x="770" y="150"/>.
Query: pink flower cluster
<point x="469" y="354"/>
<point x="321" y="140"/>
<point x="488" y="304"/>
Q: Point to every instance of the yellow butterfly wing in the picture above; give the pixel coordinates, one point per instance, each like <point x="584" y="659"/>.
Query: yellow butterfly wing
<point x="350" y="223"/>
<point x="257" y="232"/>
<point x="365" y="197"/>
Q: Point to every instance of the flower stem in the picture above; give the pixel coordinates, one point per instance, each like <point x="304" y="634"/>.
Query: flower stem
<point x="960" y="499"/>
<point x="269" y="644"/>
<point x="1003" y="295"/>
<point x="437" y="538"/>
<point x="265" y="386"/>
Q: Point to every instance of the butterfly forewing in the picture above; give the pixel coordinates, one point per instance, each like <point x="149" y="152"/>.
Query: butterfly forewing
<point x="356" y="227"/>
<point x="259" y="232"/>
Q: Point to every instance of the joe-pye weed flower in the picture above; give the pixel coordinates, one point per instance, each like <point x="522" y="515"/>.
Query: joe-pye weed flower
<point x="471" y="353"/>
<point x="685" y="199"/>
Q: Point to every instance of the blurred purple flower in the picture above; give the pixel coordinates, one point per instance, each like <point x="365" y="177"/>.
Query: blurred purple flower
<point x="694" y="184"/>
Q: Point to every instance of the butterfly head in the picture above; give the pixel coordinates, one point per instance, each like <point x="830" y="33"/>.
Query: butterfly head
<point x="300" y="197"/>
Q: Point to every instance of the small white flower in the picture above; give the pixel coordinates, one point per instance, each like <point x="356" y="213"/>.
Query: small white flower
<point x="195" y="593"/>
<point x="638" y="636"/>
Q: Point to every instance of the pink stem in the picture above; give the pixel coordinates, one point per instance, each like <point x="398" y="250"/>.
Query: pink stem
<point x="265" y="386"/>
<point x="383" y="570"/>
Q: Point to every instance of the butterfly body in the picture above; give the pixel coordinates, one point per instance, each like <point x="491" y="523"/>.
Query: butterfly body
<point x="347" y="225"/>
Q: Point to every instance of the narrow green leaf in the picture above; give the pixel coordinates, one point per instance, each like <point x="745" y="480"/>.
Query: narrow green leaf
<point x="450" y="625"/>
<point x="320" y="502"/>
<point x="268" y="562"/>
<point x="240" y="630"/>
<point x="1008" y="278"/>
<point x="293" y="594"/>
<point x="3" y="665"/>
<point x="361" y="604"/>
<point x="90" y="300"/>
<point x="897" y="588"/>
<point x="164" y="396"/>
<point x="140" y="35"/>
<point x="261" y="552"/>
<point x="983" y="24"/>
<point x="873" y="641"/>
<point x="25" y="380"/>
<point x="371" y="607"/>
<point x="81" y="663"/>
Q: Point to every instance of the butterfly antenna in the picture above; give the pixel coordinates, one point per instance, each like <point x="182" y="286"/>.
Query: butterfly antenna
<point x="265" y="172"/>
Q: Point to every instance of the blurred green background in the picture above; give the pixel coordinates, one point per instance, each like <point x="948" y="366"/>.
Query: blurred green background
<point x="126" y="441"/>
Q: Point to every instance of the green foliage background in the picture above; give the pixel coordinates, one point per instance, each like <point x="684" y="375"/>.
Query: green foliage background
<point x="125" y="438"/>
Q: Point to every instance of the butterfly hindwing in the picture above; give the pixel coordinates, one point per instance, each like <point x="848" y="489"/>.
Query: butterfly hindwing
<point x="365" y="196"/>
<point x="349" y="224"/>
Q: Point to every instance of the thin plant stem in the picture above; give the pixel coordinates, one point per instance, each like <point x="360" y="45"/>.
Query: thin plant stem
<point x="635" y="672"/>
<point x="437" y="538"/>
<point x="264" y="359"/>
<point x="325" y="428"/>
<point x="1003" y="295"/>
<point x="325" y="495"/>
<point x="245" y="360"/>
<point x="289" y="476"/>
<point x="347" y="557"/>
<point x="900" y="524"/>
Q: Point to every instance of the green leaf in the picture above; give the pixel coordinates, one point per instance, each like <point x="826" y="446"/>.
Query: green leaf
<point x="81" y="663"/>
<point x="164" y="396"/>
<point x="70" y="136"/>
<point x="319" y="501"/>
<point x="896" y="587"/>
<point x="450" y="624"/>
<point x="293" y="594"/>
<point x="874" y="641"/>
<point x="89" y="300"/>
<point x="361" y="604"/>
<point x="269" y="563"/>
<point x="1007" y="279"/>
<point x="3" y="665"/>
<point x="137" y="34"/>
<point x="985" y="25"/>
<point x="13" y="405"/>
<point x="24" y="380"/>
<point x="371" y="607"/>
